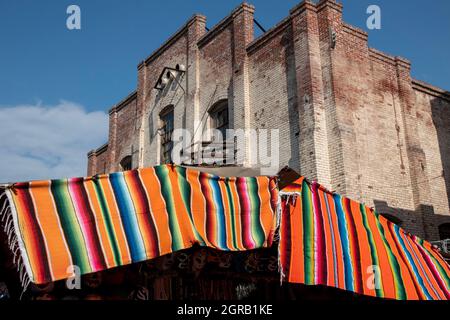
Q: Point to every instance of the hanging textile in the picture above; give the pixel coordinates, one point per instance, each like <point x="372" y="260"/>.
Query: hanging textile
<point x="101" y="222"/>
<point x="327" y="239"/>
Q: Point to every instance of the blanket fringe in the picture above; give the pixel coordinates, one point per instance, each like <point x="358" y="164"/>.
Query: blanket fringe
<point x="276" y="238"/>
<point x="7" y="219"/>
<point x="288" y="197"/>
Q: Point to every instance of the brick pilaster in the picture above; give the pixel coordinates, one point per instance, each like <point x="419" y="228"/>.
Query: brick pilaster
<point x="314" y="156"/>
<point x="196" y="29"/>
<point x="112" y="141"/>
<point x="92" y="163"/>
<point x="242" y="27"/>
<point x="420" y="186"/>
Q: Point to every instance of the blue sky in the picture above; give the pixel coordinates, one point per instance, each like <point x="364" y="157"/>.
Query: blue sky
<point x="45" y="66"/>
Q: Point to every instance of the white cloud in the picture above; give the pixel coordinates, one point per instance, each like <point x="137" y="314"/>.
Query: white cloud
<point x="45" y="142"/>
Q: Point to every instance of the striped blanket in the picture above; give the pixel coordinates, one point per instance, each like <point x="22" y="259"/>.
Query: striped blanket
<point x="112" y="220"/>
<point x="327" y="239"/>
<point x="101" y="222"/>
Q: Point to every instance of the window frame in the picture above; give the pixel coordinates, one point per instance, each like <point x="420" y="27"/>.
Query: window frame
<point x="166" y="116"/>
<point x="218" y="109"/>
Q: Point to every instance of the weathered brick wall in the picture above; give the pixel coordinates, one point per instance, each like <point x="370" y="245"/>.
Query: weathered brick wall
<point x="214" y="71"/>
<point x="98" y="161"/>
<point x="349" y="116"/>
<point x="374" y="135"/>
<point x="271" y="65"/>
<point x="155" y="101"/>
<point x="102" y="162"/>
<point x="433" y="117"/>
<point x="123" y="122"/>
<point x="91" y="163"/>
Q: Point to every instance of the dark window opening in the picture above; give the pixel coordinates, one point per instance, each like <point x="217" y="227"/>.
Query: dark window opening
<point x="444" y="231"/>
<point x="166" y="131"/>
<point x="126" y="163"/>
<point x="219" y="117"/>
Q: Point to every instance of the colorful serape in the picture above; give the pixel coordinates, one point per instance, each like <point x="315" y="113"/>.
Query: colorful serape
<point x="327" y="239"/>
<point x="112" y="220"/>
<point x="105" y="221"/>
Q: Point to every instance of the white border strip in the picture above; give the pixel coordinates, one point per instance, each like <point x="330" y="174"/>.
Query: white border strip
<point x="20" y="241"/>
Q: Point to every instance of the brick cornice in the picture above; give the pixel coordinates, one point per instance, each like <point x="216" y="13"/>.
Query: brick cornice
<point x="98" y="151"/>
<point x="381" y="56"/>
<point x="244" y="7"/>
<point x="430" y="89"/>
<point x="402" y="62"/>
<point x="305" y="5"/>
<point x="269" y="34"/>
<point x="132" y="96"/>
<point x="225" y="22"/>
<point x="355" y="31"/>
<point x="330" y="4"/>
<point x="179" y="33"/>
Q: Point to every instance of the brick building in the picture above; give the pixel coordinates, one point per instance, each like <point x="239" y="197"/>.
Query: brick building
<point x="349" y="116"/>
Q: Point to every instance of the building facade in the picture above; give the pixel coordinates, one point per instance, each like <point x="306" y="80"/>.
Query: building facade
<point x="349" y="116"/>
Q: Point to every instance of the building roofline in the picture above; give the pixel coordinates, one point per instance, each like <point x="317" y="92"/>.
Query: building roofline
<point x="430" y="89"/>
<point x="390" y="59"/>
<point x="222" y="24"/>
<point x="99" y="150"/>
<point x="331" y="3"/>
<point x="272" y="32"/>
<point x="132" y="96"/>
<point x="360" y="33"/>
<point x="268" y="35"/>
<point x="381" y="56"/>
<point x="172" y="39"/>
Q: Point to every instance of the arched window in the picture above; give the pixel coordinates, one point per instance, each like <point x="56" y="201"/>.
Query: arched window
<point x="126" y="163"/>
<point x="166" y="129"/>
<point x="444" y="231"/>
<point x="392" y="219"/>
<point x="219" y="117"/>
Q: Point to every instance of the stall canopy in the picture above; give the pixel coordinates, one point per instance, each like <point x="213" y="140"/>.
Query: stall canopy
<point x="56" y="227"/>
